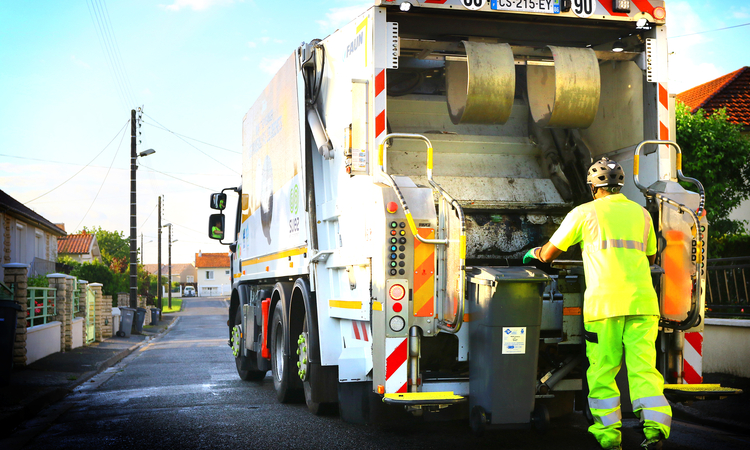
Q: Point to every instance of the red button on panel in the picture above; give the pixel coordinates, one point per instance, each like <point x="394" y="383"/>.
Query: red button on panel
<point x="392" y="207"/>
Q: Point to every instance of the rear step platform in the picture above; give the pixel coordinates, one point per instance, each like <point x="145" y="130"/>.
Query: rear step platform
<point x="419" y="399"/>
<point x="688" y="392"/>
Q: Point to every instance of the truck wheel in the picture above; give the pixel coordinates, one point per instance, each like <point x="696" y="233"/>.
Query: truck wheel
<point x="246" y="364"/>
<point x="282" y="373"/>
<point x="305" y="374"/>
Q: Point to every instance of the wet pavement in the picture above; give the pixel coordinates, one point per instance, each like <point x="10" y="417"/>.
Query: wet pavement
<point x="181" y="390"/>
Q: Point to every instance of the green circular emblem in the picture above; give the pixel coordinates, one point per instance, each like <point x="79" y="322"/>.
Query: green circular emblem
<point x="294" y="200"/>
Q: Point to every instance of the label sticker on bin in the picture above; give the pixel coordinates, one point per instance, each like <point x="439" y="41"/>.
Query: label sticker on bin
<point x="514" y="340"/>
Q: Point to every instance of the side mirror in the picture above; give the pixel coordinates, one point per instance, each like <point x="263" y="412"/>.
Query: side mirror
<point x="219" y="201"/>
<point x="216" y="226"/>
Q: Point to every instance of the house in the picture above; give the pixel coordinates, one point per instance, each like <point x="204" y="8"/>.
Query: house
<point x="213" y="272"/>
<point x="731" y="91"/>
<point x="27" y="237"/>
<point x="184" y="274"/>
<point x="81" y="247"/>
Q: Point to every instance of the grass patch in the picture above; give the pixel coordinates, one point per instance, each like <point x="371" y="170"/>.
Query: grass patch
<point x="72" y="377"/>
<point x="176" y="305"/>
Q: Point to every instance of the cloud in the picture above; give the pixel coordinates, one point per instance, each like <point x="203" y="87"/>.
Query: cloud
<point x="252" y="44"/>
<point x="78" y="62"/>
<point x="195" y="5"/>
<point x="337" y="17"/>
<point x="272" y="65"/>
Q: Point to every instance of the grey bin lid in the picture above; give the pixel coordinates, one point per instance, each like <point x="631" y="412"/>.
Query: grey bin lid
<point x="515" y="274"/>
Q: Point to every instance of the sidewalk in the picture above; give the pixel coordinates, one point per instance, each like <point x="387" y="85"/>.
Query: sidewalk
<point x="50" y="379"/>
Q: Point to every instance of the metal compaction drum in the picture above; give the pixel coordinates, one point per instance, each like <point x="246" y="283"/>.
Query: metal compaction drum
<point x="480" y="90"/>
<point x="565" y="95"/>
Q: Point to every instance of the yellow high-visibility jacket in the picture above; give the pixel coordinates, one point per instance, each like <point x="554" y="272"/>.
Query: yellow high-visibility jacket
<point x="615" y="234"/>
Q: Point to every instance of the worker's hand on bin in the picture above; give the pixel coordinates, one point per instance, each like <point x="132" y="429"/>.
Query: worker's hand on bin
<point x="531" y="254"/>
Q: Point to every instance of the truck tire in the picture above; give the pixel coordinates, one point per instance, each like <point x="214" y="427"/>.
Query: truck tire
<point x="317" y="408"/>
<point x="247" y="365"/>
<point x="280" y="369"/>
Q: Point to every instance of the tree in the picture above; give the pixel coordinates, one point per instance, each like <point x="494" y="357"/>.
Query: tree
<point x="717" y="155"/>
<point x="115" y="248"/>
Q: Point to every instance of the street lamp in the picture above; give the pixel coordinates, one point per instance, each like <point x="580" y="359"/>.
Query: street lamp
<point x="170" y="265"/>
<point x="133" y="233"/>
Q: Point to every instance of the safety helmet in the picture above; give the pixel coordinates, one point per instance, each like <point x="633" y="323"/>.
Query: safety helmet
<point x="605" y="172"/>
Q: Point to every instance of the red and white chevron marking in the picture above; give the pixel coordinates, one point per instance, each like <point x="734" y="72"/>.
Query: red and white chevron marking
<point x="693" y="358"/>
<point x="379" y="103"/>
<point x="663" y="112"/>
<point x="360" y="331"/>
<point x="397" y="352"/>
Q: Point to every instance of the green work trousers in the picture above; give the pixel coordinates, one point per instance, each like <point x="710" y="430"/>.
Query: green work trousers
<point x="606" y="340"/>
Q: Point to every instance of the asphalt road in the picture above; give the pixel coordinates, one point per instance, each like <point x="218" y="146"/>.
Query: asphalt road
<point x="181" y="391"/>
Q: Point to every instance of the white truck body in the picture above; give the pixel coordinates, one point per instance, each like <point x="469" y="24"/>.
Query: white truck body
<point x="338" y="159"/>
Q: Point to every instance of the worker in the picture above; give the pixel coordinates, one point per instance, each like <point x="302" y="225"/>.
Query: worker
<point x="620" y="310"/>
<point x="216" y="231"/>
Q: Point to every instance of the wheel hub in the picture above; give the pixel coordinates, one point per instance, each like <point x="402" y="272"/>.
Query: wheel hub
<point x="302" y="361"/>
<point x="236" y="340"/>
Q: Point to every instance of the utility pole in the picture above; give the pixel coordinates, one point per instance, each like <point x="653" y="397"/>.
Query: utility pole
<point x="158" y="282"/>
<point x="142" y="260"/>
<point x="133" y="238"/>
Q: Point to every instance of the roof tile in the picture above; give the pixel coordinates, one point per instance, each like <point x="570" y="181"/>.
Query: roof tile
<point x="212" y="260"/>
<point x="75" y="243"/>
<point x="731" y="91"/>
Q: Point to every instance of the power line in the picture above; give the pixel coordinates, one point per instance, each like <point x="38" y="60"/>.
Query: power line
<point x="160" y="127"/>
<point x="188" y="143"/>
<point x="119" y="54"/>
<point x="105" y="50"/>
<point x="104" y="167"/>
<point x="711" y="31"/>
<point x="82" y="168"/>
<point x="103" y="181"/>
<point x="178" y="179"/>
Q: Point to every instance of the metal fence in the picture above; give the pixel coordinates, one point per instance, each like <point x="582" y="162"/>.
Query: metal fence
<point x="42" y="305"/>
<point x="728" y="287"/>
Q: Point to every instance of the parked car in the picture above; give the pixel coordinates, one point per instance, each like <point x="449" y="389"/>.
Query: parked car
<point x="189" y="291"/>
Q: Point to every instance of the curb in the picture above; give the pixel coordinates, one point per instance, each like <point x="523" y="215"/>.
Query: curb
<point x="48" y="397"/>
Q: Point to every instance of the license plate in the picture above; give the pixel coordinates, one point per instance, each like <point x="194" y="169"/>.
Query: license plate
<point x="536" y="6"/>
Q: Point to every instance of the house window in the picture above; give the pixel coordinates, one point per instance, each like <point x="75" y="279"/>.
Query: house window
<point x="20" y="242"/>
<point x="39" y="245"/>
<point x="190" y="279"/>
<point x="226" y="272"/>
<point x="209" y="274"/>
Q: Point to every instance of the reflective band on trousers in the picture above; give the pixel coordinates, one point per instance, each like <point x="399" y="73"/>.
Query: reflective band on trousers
<point x="621" y="243"/>
<point x="656" y="416"/>
<point x="610" y="419"/>
<point x="649" y="402"/>
<point x="604" y="403"/>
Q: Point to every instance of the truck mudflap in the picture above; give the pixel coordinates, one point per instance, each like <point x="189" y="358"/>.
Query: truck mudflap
<point x="689" y="392"/>
<point x="413" y="400"/>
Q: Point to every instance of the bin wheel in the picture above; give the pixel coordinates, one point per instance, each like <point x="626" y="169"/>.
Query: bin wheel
<point x="478" y="420"/>
<point x="120" y="334"/>
<point x="540" y="418"/>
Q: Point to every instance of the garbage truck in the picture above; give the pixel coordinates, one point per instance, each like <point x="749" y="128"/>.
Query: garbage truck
<point x="395" y="173"/>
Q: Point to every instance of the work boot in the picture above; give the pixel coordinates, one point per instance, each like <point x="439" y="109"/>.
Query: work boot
<point x="652" y="444"/>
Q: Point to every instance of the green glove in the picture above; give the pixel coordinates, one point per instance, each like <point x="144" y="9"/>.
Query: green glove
<point x="531" y="254"/>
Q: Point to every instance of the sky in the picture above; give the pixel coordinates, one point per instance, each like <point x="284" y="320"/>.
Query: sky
<point x="71" y="71"/>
